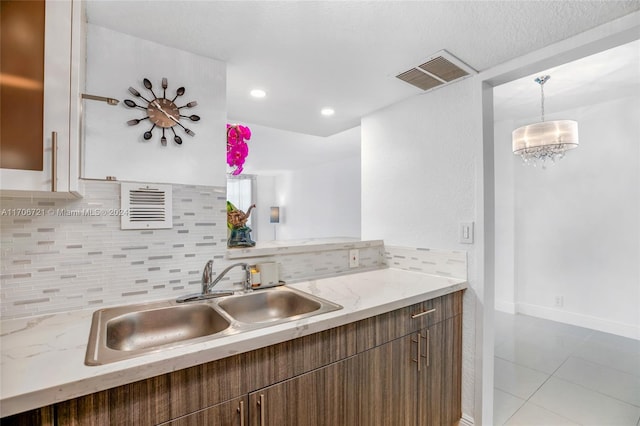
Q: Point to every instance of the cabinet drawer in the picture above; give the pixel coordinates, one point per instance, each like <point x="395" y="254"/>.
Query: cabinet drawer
<point x="285" y="360"/>
<point x="158" y="399"/>
<point x="383" y="328"/>
<point x="228" y="413"/>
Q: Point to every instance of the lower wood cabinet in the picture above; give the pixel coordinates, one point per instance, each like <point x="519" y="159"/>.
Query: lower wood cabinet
<point x="388" y="383"/>
<point x="446" y="391"/>
<point x="411" y="380"/>
<point x="326" y="396"/>
<point x="401" y="368"/>
<point x="158" y="399"/>
<point x="232" y="412"/>
<point x="44" y="416"/>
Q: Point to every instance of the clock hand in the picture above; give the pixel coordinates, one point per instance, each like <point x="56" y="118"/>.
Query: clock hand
<point x="157" y="105"/>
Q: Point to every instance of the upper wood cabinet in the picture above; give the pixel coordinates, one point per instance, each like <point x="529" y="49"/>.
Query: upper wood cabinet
<point x="41" y="68"/>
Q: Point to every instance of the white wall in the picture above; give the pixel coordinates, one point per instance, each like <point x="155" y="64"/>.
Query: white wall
<point x="417" y="169"/>
<point x="321" y="201"/>
<point x="265" y="198"/>
<point x="576" y="224"/>
<point x="418" y="183"/>
<point x="116" y="61"/>
<point x="504" y="217"/>
<point x="272" y="151"/>
<point x="315" y="180"/>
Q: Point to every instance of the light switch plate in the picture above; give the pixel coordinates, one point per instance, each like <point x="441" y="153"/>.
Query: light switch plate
<point x="466" y="232"/>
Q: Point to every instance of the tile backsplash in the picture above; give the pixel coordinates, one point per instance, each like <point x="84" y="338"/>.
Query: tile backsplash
<point x="60" y="255"/>
<point x="447" y="263"/>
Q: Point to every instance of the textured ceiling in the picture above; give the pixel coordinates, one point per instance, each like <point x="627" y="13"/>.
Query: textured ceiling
<point x="344" y="54"/>
<point x="605" y="76"/>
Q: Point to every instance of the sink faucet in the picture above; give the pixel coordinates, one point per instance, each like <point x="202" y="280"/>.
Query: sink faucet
<point x="208" y="283"/>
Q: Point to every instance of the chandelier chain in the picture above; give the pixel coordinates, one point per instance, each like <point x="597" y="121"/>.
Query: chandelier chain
<point x="542" y="101"/>
<point x="541" y="81"/>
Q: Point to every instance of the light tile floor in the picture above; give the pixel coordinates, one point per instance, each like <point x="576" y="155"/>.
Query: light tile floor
<point x="549" y="373"/>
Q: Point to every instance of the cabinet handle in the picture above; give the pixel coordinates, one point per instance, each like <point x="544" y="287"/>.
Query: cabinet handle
<point x="414" y="316"/>
<point x="428" y="338"/>
<point x="261" y="405"/>
<point x="417" y="360"/>
<point x="241" y="411"/>
<point x="54" y="161"/>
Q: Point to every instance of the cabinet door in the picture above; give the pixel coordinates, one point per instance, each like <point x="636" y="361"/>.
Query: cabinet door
<point x="452" y="369"/>
<point x="431" y="377"/>
<point x="230" y="413"/>
<point x="48" y="115"/>
<point x="42" y="416"/>
<point x="388" y="383"/>
<point x="323" y="397"/>
<point x="439" y="388"/>
<point x="414" y="380"/>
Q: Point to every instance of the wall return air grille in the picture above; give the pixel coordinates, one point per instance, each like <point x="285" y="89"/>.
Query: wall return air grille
<point x="439" y="69"/>
<point x="148" y="206"/>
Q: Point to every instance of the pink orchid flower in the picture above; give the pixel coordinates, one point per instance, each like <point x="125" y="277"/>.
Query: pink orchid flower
<point x="237" y="148"/>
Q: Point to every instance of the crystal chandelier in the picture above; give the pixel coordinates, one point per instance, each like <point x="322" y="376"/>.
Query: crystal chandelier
<point x="546" y="140"/>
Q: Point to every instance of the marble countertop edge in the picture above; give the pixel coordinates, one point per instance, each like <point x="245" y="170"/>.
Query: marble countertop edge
<point x="270" y="248"/>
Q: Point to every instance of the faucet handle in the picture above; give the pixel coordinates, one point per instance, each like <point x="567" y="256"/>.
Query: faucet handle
<point x="207" y="273"/>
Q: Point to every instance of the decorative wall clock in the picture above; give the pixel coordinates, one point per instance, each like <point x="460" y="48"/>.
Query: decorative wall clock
<point x="162" y="112"/>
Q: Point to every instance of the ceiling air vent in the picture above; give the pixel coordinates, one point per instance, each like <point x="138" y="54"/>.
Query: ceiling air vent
<point x="148" y="206"/>
<point x="438" y="70"/>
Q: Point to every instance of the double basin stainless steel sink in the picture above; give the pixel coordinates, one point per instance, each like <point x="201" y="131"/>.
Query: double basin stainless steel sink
<point x="128" y="331"/>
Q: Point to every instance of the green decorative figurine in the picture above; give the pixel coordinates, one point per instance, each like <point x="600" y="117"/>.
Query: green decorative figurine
<point x="237" y="222"/>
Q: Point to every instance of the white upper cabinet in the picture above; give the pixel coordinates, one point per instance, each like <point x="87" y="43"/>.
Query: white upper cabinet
<point x="42" y="64"/>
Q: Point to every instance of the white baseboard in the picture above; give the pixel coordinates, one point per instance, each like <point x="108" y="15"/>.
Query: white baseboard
<point x="505" y="306"/>
<point x="465" y="420"/>
<point x="595" y="323"/>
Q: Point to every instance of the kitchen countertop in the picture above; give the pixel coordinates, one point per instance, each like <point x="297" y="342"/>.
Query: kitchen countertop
<point x="43" y="357"/>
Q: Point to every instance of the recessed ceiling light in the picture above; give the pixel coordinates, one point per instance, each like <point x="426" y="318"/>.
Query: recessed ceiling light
<point x="258" y="93"/>
<point x="327" y="111"/>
